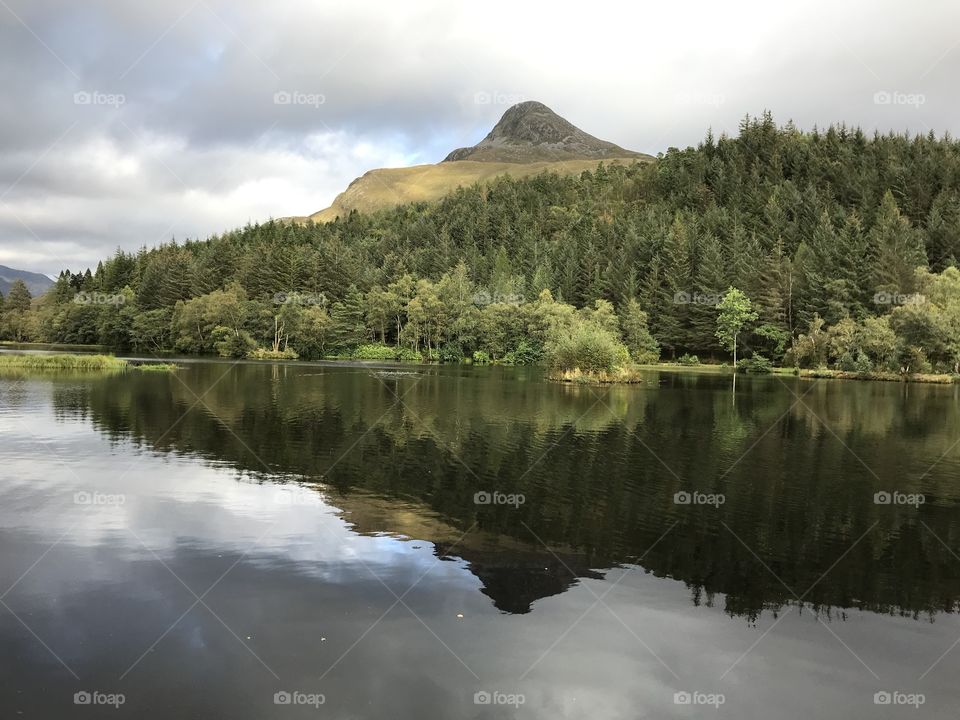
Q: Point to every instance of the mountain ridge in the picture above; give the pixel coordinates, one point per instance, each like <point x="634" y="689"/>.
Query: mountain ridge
<point x="37" y="283"/>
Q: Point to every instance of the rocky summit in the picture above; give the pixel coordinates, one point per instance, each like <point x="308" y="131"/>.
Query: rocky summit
<point x="532" y="132"/>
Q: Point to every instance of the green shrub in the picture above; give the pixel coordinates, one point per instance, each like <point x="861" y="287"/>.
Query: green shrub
<point x="405" y="354"/>
<point x="229" y="343"/>
<point x="451" y="352"/>
<point x="862" y="364"/>
<point x="480" y="357"/>
<point x="756" y="365"/>
<point x="527" y="354"/>
<point x="268" y="354"/>
<point x="586" y="347"/>
<point x="687" y="359"/>
<point x="646" y="357"/>
<point x="375" y="352"/>
<point x="858" y="363"/>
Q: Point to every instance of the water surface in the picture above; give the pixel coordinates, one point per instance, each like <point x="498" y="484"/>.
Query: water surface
<point x="199" y="542"/>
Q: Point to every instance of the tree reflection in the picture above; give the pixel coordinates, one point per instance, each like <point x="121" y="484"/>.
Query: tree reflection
<point x="599" y="471"/>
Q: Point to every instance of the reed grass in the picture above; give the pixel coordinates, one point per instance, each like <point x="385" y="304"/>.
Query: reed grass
<point x="100" y="363"/>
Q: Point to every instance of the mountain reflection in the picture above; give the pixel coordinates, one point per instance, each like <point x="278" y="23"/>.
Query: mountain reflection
<point x="598" y="470"/>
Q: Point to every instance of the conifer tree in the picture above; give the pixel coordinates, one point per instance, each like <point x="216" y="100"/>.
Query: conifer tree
<point x="895" y="249"/>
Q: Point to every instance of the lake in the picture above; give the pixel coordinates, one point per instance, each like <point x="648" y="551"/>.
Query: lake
<point x="348" y="541"/>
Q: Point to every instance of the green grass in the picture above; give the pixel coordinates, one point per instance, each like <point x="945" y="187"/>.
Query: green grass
<point x="100" y="363"/>
<point x="818" y="373"/>
<point x="931" y="378"/>
<point x="700" y="368"/>
<point x="581" y="377"/>
<point x="63" y="362"/>
<point x="155" y="367"/>
<point x="50" y="346"/>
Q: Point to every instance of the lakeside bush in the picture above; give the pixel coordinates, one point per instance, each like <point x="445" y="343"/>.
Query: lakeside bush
<point x="374" y="352"/>
<point x="588" y="348"/>
<point x="686" y="359"/>
<point x="230" y="342"/>
<point x="755" y="365"/>
<point x="269" y="354"/>
<point x="405" y="354"/>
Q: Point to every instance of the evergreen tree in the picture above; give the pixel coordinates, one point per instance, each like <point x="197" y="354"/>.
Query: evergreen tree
<point x="636" y="333"/>
<point x="895" y="249"/>
<point x="943" y="230"/>
<point x="19" y="297"/>
<point x="348" y="328"/>
<point x="709" y="285"/>
<point x="677" y="289"/>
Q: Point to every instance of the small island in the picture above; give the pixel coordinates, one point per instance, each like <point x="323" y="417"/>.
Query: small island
<point x="78" y="361"/>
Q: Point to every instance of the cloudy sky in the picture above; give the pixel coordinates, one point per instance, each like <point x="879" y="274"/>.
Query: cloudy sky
<point x="126" y="124"/>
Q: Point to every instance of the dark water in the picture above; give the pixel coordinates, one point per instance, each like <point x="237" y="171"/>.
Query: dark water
<point x="194" y="544"/>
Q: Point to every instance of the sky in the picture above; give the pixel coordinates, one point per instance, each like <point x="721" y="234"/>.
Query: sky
<point x="127" y="124"/>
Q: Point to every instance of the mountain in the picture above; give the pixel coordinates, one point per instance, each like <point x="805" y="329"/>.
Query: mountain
<point x="37" y="284"/>
<point x="529" y="139"/>
<point x="532" y="132"/>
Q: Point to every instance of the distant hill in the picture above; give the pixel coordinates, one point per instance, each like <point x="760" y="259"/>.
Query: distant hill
<point x="529" y="139"/>
<point x="36" y="283"/>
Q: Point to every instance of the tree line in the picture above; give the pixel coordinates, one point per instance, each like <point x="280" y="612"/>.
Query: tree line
<point x="844" y="244"/>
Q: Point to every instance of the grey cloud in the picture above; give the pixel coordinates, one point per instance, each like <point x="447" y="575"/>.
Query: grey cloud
<point x="401" y="84"/>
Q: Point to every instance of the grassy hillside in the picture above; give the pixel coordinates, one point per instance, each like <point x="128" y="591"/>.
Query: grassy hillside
<point x="387" y="187"/>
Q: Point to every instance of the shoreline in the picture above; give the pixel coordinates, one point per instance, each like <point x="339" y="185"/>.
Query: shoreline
<point x="817" y="374"/>
<point x="631" y="376"/>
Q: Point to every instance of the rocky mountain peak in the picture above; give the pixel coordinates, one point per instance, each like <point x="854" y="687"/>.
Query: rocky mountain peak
<point x="532" y="132"/>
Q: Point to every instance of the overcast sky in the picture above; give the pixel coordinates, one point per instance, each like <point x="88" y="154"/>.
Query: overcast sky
<point x="128" y="123"/>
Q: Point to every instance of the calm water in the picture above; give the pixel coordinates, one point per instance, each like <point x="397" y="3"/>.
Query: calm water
<point x="198" y="543"/>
